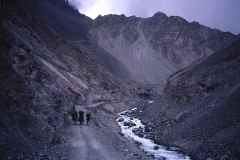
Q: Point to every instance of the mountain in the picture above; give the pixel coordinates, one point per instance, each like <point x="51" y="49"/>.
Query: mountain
<point x="154" y="48"/>
<point x="199" y="109"/>
<point x="45" y="74"/>
<point x="55" y="59"/>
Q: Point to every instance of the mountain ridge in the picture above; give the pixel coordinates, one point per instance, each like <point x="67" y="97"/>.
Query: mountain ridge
<point x="170" y="43"/>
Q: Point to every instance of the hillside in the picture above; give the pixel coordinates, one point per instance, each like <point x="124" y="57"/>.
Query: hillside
<point x="199" y="109"/>
<point x="44" y="76"/>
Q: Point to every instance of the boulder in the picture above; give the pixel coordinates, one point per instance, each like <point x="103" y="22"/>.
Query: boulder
<point x="127" y="123"/>
<point x="144" y="122"/>
<point x="132" y="124"/>
<point x="141" y="134"/>
<point x="155" y="147"/>
<point x="150" y="124"/>
<point x="120" y="119"/>
<point x="135" y="130"/>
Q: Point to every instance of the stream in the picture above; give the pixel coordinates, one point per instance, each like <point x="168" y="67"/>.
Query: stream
<point x="130" y="127"/>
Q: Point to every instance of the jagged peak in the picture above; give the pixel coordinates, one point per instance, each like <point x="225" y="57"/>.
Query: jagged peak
<point x="109" y="16"/>
<point x="179" y="19"/>
<point x="159" y="14"/>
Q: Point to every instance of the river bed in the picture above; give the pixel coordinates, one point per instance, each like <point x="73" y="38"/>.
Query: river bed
<point x="130" y="125"/>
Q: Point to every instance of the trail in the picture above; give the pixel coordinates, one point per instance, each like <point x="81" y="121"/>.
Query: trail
<point x="97" y="142"/>
<point x="90" y="143"/>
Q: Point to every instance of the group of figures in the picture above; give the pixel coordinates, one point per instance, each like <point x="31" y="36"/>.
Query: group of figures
<point x="80" y="118"/>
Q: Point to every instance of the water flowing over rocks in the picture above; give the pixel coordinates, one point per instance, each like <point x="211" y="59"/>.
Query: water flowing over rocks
<point x="140" y="133"/>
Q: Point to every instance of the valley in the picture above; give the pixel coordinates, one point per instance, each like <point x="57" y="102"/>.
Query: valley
<point x="55" y="60"/>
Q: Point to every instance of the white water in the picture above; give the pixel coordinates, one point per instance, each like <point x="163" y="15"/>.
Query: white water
<point x="147" y="144"/>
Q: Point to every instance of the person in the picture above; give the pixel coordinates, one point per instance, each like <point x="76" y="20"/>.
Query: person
<point x="81" y="117"/>
<point x="74" y="116"/>
<point x="88" y="117"/>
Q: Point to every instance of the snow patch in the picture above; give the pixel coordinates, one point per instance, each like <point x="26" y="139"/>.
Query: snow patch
<point x="146" y="144"/>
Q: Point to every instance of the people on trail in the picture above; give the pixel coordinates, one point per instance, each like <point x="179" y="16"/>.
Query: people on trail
<point x="81" y="116"/>
<point x="88" y="117"/>
<point x="74" y="116"/>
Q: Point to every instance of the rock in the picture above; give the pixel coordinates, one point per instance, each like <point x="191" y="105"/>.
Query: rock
<point x="156" y="141"/>
<point x="135" y="130"/>
<point x="127" y="123"/>
<point x="158" y="123"/>
<point x="155" y="147"/>
<point x="120" y="119"/>
<point x="132" y="124"/>
<point x="138" y="143"/>
<point x="147" y="129"/>
<point x="178" y="116"/>
<point x="149" y="137"/>
<point x="144" y="122"/>
<point x="141" y="134"/>
<point x="150" y="124"/>
<point x="124" y="113"/>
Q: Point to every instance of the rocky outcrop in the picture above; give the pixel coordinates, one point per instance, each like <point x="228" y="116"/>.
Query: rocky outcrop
<point x="156" y="47"/>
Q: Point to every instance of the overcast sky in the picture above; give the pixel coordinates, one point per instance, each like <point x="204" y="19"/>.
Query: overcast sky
<point x="220" y="14"/>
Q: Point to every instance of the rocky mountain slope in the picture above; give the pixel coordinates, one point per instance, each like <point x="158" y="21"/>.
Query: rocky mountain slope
<point x="44" y="75"/>
<point x="200" y="107"/>
<point x="156" y="47"/>
<point x="65" y="20"/>
<point x="54" y="58"/>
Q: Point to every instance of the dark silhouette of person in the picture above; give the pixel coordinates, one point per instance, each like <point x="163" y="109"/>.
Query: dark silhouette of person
<point x="81" y="117"/>
<point x="88" y="117"/>
<point x="74" y="116"/>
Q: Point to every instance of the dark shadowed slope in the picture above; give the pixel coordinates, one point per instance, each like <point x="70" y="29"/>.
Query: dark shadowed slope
<point x="61" y="17"/>
<point x="43" y="76"/>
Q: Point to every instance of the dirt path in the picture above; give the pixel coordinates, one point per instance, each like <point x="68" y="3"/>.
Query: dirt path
<point x="99" y="143"/>
<point x="89" y="143"/>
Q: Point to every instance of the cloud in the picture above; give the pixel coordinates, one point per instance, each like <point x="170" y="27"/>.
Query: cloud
<point x="77" y="4"/>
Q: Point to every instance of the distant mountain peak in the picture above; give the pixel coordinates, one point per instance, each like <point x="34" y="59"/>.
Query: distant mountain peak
<point x="159" y="14"/>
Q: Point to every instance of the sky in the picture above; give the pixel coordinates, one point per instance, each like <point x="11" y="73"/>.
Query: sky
<point x="219" y="14"/>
